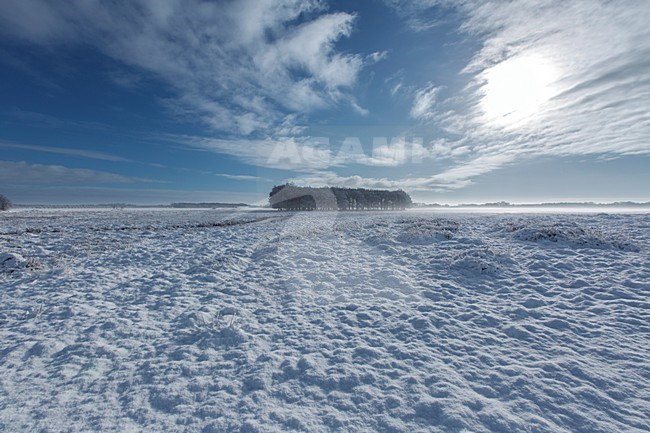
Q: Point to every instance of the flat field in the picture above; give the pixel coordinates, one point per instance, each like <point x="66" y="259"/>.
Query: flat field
<point x="219" y="321"/>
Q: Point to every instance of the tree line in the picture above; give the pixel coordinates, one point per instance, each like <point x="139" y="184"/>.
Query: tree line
<point x="304" y="198"/>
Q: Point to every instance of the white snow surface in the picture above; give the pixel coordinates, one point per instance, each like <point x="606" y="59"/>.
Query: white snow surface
<point x="225" y="321"/>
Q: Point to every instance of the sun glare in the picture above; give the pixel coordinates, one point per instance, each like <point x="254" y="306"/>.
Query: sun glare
<point x="515" y="89"/>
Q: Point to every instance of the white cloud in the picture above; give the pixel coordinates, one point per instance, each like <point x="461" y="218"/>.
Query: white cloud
<point x="395" y="152"/>
<point x="423" y="102"/>
<point x="309" y="48"/>
<point x="388" y="154"/>
<point x="92" y="154"/>
<point x="242" y="177"/>
<point x="588" y="88"/>
<point x="396" y="88"/>
<point x="242" y="66"/>
<point x="19" y="173"/>
<point x="304" y="153"/>
<point x="289" y="153"/>
<point x="378" y="56"/>
<point x="441" y="182"/>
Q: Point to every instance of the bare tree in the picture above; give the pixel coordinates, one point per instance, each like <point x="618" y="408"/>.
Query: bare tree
<point x="5" y="203"/>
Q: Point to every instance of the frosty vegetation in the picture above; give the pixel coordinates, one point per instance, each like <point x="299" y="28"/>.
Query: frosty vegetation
<point x="5" y="203"/>
<point x="292" y="197"/>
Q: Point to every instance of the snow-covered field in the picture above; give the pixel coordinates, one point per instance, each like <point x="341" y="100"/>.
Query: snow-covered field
<point x="218" y="321"/>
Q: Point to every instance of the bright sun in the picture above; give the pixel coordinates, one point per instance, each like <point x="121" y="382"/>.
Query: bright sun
<point x="516" y="88"/>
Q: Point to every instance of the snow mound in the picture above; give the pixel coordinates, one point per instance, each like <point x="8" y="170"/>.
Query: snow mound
<point x="481" y="261"/>
<point x="571" y="235"/>
<point x="426" y="231"/>
<point x="205" y="328"/>
<point x="10" y="262"/>
<point x="203" y="319"/>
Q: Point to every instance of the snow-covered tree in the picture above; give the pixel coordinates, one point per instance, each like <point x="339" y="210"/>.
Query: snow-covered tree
<point x="5" y="203"/>
<point x="292" y="197"/>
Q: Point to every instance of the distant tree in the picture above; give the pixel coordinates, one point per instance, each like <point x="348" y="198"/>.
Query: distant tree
<point x="295" y="198"/>
<point x="5" y="203"/>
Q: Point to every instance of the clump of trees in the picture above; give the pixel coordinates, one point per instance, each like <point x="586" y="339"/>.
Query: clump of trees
<point x="5" y="203"/>
<point x="296" y="198"/>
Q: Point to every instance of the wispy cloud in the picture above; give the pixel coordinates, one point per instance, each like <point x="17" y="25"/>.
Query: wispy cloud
<point x="421" y="15"/>
<point x="243" y="177"/>
<point x="289" y="153"/>
<point x="423" y="102"/>
<point x="378" y="56"/>
<point x="283" y="58"/>
<point x="594" y="102"/>
<point x="62" y="194"/>
<point x="304" y="153"/>
<point x="386" y="152"/>
<point x="18" y="116"/>
<point x="92" y="154"/>
<point x="442" y="182"/>
<point x="20" y="173"/>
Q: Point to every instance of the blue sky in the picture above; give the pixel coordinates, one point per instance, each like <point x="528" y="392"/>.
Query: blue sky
<point x="464" y="101"/>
